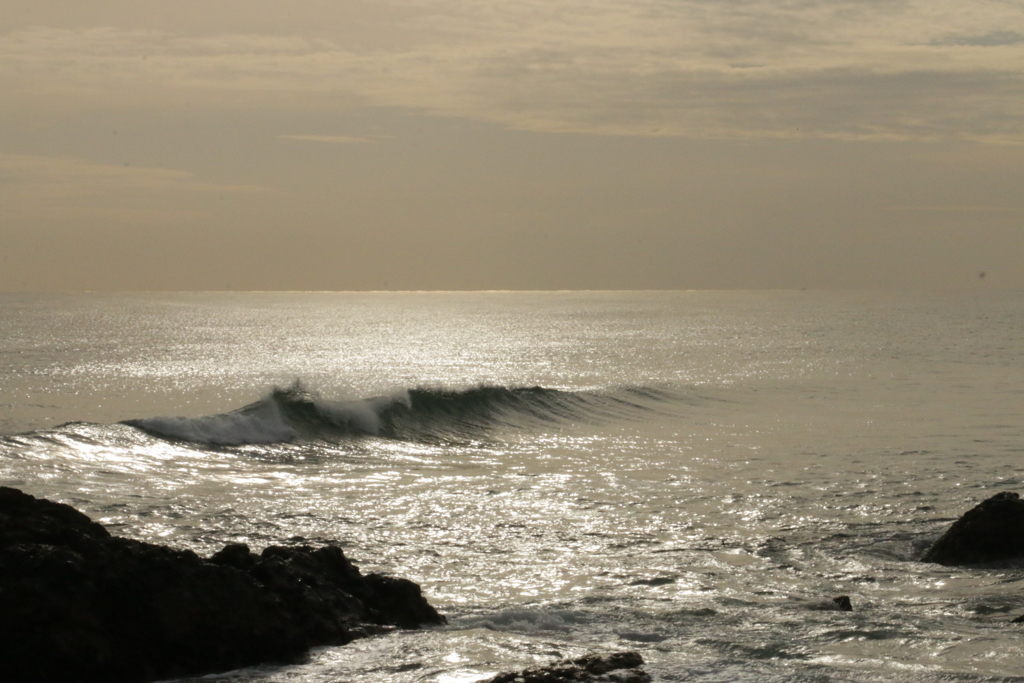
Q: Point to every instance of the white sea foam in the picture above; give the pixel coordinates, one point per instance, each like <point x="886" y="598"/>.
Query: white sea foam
<point x="521" y="621"/>
<point x="262" y="424"/>
<point x="362" y="416"/>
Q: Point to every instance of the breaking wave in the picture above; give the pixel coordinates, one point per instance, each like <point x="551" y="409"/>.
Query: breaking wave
<point x="420" y="414"/>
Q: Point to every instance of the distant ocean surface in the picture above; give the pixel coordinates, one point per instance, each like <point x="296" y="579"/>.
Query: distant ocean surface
<point x="693" y="475"/>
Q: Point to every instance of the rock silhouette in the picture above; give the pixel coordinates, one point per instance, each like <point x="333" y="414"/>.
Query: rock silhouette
<point x="78" y="604"/>
<point x="843" y="603"/>
<point x="992" y="531"/>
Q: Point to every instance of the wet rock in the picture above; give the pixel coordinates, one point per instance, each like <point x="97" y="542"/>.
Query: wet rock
<point x="843" y="603"/>
<point x="838" y="604"/>
<point x="658" y="581"/>
<point x="620" y="667"/>
<point x="992" y="531"/>
<point x="642" y="637"/>
<point x="78" y="604"/>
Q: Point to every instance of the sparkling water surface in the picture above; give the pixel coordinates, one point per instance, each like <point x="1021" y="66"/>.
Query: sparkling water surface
<point x="699" y="475"/>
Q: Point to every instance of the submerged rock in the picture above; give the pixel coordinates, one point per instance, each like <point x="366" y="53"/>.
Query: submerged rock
<point x="77" y="604"/>
<point x="992" y="531"/>
<point x="838" y="604"/>
<point x="620" y="667"/>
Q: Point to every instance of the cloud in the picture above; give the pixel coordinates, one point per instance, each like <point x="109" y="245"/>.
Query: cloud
<point x="43" y="178"/>
<point x="957" y="208"/>
<point x="849" y="69"/>
<point x="335" y="139"/>
<point x="990" y="39"/>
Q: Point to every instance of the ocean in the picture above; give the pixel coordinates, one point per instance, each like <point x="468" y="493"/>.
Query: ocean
<point x="691" y="475"/>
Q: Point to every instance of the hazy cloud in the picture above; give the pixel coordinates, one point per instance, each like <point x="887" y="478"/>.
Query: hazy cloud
<point x="41" y="177"/>
<point x="944" y="208"/>
<point x="335" y="139"/>
<point x="990" y="39"/>
<point x="888" y="69"/>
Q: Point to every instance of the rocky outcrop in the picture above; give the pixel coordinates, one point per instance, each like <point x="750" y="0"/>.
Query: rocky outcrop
<point x="993" y="531"/>
<point x="620" y="667"/>
<point x="77" y="604"/>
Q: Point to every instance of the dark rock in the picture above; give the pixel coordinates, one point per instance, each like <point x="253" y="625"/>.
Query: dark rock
<point x="993" y="531"/>
<point x="1018" y="620"/>
<point x="619" y="667"/>
<point x="77" y="604"/>
<point x="843" y="603"/>
<point x="838" y="604"/>
<point x="235" y="555"/>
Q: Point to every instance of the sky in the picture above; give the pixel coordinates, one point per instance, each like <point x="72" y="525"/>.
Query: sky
<point x="499" y="144"/>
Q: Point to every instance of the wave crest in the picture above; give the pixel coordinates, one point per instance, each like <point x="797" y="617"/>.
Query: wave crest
<point x="421" y="414"/>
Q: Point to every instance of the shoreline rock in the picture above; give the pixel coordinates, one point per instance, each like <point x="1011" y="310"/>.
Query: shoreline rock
<point x="992" y="531"/>
<point x="619" y="667"/>
<point x="78" y="604"/>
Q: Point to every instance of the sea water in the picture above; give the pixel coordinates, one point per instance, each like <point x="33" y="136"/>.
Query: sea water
<point x="692" y="475"/>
